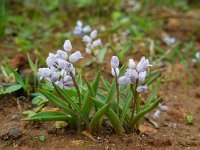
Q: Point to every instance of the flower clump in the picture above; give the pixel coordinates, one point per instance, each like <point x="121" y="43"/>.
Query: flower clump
<point x="92" y="43"/>
<point x="80" y="29"/>
<point x="60" y="68"/>
<point x="135" y="74"/>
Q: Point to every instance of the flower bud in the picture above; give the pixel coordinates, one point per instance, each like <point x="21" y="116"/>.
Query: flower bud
<point x="87" y="29"/>
<point x="67" y="78"/>
<point x="143" y="64"/>
<point x="60" y="83"/>
<point x="55" y="76"/>
<point x="123" y="80"/>
<point x="44" y="72"/>
<point x="79" y="23"/>
<point x="62" y="64"/>
<point x="114" y="62"/>
<point x="142" y="76"/>
<point x="197" y="55"/>
<point x="51" y="59"/>
<point x="131" y="64"/>
<point x="61" y="54"/>
<point x="75" y="57"/>
<point x="93" y="34"/>
<point x="96" y="43"/>
<point x="115" y="70"/>
<point x="67" y="46"/>
<point x="131" y="74"/>
<point x="88" y="50"/>
<point x="142" y="88"/>
<point x="87" y="39"/>
<point x="78" y="31"/>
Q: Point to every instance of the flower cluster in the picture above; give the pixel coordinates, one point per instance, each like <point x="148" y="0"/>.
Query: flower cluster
<point x="60" y="68"/>
<point x="80" y="29"/>
<point x="134" y="73"/>
<point x="92" y="42"/>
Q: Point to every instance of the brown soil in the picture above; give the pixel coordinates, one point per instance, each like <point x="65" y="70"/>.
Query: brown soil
<point x="174" y="132"/>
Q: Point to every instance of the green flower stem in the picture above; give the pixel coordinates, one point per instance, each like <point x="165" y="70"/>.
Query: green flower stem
<point x="117" y="86"/>
<point x="135" y="100"/>
<point x="77" y="89"/>
<point x="79" y="97"/>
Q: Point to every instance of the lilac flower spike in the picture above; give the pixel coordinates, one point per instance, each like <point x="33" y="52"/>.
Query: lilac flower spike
<point x="114" y="62"/>
<point x="60" y="68"/>
<point x="80" y="29"/>
<point x="91" y="43"/>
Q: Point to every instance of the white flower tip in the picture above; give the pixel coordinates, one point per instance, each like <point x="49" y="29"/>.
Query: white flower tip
<point x="67" y="46"/>
<point x="93" y="34"/>
<point x="114" y="62"/>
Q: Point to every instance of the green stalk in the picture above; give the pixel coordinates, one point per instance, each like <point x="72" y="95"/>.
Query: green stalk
<point x="79" y="102"/>
<point x="135" y="100"/>
<point x="117" y="86"/>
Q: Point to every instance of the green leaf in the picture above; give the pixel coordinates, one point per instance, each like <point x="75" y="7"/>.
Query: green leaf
<point x="97" y="116"/>
<point x="48" y="116"/>
<point x="57" y="101"/>
<point x="13" y="88"/>
<point x="144" y="112"/>
<point x="152" y="95"/>
<point x="19" y="79"/>
<point x="32" y="65"/>
<point x="112" y="93"/>
<point x="122" y="70"/>
<point x="95" y="84"/>
<point x="125" y="107"/>
<point x="106" y="84"/>
<point x="42" y="138"/>
<point x="102" y="54"/>
<point x="92" y="90"/>
<point x="71" y="102"/>
<point x="112" y="116"/>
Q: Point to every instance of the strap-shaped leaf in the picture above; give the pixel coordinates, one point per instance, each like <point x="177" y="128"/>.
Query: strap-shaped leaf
<point x="48" y="116"/>
<point x="105" y="83"/>
<point x="51" y="116"/>
<point x="144" y="112"/>
<point x="71" y="102"/>
<point x="112" y="116"/>
<point x="92" y="90"/>
<point x="57" y="101"/>
<point x="13" y="88"/>
<point x="125" y="107"/>
<point x="122" y="70"/>
<point x="152" y="95"/>
<point x="112" y="93"/>
<point x="97" y="116"/>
